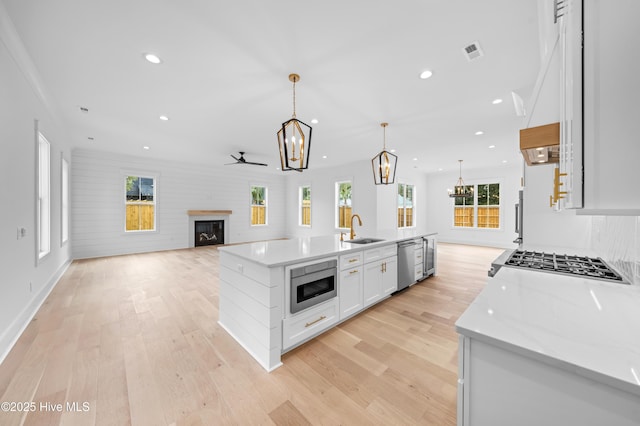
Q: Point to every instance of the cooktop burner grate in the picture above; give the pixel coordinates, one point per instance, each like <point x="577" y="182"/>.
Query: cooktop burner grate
<point x="565" y="264"/>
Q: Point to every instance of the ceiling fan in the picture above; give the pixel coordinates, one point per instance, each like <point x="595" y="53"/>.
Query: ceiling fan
<point x="241" y="160"/>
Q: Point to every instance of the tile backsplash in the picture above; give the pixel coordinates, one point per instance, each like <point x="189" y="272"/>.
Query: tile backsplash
<point x="617" y="240"/>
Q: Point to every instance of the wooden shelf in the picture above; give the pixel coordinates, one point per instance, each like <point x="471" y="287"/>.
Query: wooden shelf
<point x="208" y="212"/>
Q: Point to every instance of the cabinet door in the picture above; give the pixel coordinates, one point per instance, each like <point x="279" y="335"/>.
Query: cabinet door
<point x="611" y="107"/>
<point x="571" y="142"/>
<point x="389" y="275"/>
<point x="372" y="285"/>
<point x="350" y="292"/>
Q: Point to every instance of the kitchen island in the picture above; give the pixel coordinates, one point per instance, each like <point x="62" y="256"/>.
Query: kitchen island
<point x="254" y="295"/>
<point x="539" y="348"/>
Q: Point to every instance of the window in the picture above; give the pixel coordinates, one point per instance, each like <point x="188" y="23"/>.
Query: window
<point x="44" y="202"/>
<point x="140" y="203"/>
<point x="406" y="203"/>
<point x="64" y="204"/>
<point x="343" y="203"/>
<point x="481" y="209"/>
<point x="258" y="205"/>
<point x="305" y="206"/>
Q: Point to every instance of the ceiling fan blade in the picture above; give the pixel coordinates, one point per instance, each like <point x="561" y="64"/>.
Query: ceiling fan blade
<point x="236" y="158"/>
<point x="255" y="164"/>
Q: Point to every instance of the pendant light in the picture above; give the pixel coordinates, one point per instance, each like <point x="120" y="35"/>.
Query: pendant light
<point x="384" y="164"/>
<point x="294" y="138"/>
<point x="460" y="190"/>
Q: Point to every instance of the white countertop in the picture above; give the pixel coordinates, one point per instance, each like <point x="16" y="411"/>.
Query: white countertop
<point x="587" y="326"/>
<point x="282" y="252"/>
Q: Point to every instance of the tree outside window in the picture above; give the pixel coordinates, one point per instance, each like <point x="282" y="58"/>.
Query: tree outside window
<point x="406" y="204"/>
<point x="258" y="205"/>
<point x="305" y="206"/>
<point x="343" y="190"/>
<point x="140" y="204"/>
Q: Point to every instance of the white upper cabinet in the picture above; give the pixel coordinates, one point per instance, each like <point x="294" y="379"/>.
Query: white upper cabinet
<point x="600" y="147"/>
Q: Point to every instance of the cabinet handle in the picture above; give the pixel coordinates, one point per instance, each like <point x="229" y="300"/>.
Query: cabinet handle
<point x="353" y="260"/>
<point x="309" y="324"/>
<point x="355" y="271"/>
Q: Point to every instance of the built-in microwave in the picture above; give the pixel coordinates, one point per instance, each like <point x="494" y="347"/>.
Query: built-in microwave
<point x="312" y="284"/>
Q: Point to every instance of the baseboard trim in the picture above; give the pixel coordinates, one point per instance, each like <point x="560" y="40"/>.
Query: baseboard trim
<point x="11" y="335"/>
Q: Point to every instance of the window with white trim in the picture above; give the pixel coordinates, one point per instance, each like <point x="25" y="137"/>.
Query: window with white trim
<point x="304" y="197"/>
<point x="44" y="201"/>
<point x="343" y="204"/>
<point x="258" y="205"/>
<point x="64" y="202"/>
<point x="481" y="209"/>
<point x="406" y="205"/>
<point x="140" y="203"/>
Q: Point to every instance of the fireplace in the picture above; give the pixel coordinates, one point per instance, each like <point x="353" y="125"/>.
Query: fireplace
<point x="208" y="232"/>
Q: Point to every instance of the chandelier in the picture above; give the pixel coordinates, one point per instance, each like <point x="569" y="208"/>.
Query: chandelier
<point x="384" y="164"/>
<point x="294" y="138"/>
<point x="460" y="190"/>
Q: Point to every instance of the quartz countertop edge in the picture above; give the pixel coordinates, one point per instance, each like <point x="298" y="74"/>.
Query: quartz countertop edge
<point x="579" y="325"/>
<point x="283" y="252"/>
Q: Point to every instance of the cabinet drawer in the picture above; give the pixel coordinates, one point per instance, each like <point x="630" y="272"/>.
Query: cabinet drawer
<point x="418" y="275"/>
<point x="418" y="256"/>
<point x="307" y="324"/>
<point x="378" y="253"/>
<point x="350" y="260"/>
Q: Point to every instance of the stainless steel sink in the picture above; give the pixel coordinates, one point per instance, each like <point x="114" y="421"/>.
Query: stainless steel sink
<point x="365" y="240"/>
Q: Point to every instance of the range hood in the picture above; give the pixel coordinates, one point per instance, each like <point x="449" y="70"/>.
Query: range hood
<point x="541" y="145"/>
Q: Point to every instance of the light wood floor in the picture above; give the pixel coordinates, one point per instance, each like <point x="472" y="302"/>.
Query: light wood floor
<point x="136" y="338"/>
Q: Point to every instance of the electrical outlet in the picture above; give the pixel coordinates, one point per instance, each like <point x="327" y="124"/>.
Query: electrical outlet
<point x="23" y="232"/>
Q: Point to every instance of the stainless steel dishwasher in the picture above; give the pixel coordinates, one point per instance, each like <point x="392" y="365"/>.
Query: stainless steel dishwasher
<point x="406" y="264"/>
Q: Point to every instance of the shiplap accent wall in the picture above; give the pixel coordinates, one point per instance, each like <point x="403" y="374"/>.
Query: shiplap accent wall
<point x="98" y="202"/>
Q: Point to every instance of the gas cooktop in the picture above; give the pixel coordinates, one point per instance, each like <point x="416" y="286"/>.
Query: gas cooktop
<point x="587" y="267"/>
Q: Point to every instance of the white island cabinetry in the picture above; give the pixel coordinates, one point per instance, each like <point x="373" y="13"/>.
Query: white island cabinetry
<point x="350" y="284"/>
<point x="380" y="273"/>
<point x="255" y="286"/>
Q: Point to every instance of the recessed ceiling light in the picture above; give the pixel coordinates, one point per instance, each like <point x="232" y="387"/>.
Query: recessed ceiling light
<point x="392" y="150"/>
<point x="415" y="159"/>
<point x="491" y="146"/>
<point x="440" y="169"/>
<point x="164" y="118"/>
<point x="426" y="74"/>
<point x="277" y="168"/>
<point x="479" y="132"/>
<point x="324" y="156"/>
<point x="314" y="121"/>
<point x="145" y="147"/>
<point x="504" y="161"/>
<point x="152" y="58"/>
<point x="496" y="101"/>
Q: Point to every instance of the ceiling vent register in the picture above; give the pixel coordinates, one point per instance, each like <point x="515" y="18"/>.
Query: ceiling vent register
<point x="473" y="51"/>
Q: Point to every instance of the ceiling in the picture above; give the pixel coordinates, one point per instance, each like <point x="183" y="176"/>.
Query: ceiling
<point x="224" y="83"/>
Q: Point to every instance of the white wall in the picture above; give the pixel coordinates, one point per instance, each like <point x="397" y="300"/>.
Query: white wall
<point x="98" y="202"/>
<point x="544" y="226"/>
<point x="440" y="208"/>
<point x="23" y="283"/>
<point x="376" y="204"/>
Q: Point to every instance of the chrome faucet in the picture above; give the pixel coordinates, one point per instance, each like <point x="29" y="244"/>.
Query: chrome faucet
<point x="353" y="233"/>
